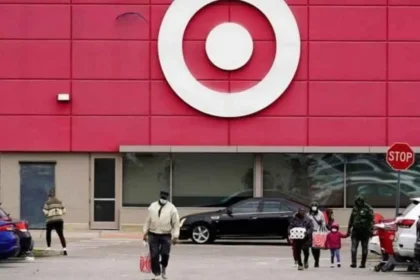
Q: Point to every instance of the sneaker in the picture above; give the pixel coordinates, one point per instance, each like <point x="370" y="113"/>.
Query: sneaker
<point x="300" y="267"/>
<point x="353" y="265"/>
<point x="332" y="265"/>
<point x="338" y="265"/>
<point x="362" y="266"/>
<point x="296" y="264"/>
<point x="156" y="277"/>
<point x="65" y="252"/>
<point x="306" y="265"/>
<point x="164" y="273"/>
<point x="48" y="249"/>
<point x="316" y="265"/>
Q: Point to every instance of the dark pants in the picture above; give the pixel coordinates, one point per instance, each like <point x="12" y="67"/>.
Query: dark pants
<point x="335" y="254"/>
<point x="299" y="248"/>
<point x="160" y="247"/>
<point x="355" y="240"/>
<point x="294" y="250"/>
<point x="58" y="227"/>
<point x="316" y="253"/>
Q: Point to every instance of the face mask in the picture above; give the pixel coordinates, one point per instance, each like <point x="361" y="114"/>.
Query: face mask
<point x="163" y="201"/>
<point x="314" y="208"/>
<point x="334" y="230"/>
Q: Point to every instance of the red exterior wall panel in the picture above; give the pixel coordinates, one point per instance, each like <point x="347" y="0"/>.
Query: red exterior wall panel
<point x="356" y="84"/>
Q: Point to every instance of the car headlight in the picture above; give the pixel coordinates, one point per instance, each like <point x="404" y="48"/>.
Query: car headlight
<point x="182" y="222"/>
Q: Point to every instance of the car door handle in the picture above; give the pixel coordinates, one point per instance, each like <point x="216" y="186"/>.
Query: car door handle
<point x="253" y="218"/>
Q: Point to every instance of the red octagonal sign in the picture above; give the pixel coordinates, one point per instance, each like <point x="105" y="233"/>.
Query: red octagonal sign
<point x="400" y="156"/>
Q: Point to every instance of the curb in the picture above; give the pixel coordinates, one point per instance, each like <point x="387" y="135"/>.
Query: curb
<point x="42" y="253"/>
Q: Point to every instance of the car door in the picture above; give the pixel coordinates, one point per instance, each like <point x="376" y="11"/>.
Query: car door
<point x="274" y="218"/>
<point x="242" y="219"/>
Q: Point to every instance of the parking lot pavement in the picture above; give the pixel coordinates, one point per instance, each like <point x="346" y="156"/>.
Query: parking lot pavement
<point x="119" y="260"/>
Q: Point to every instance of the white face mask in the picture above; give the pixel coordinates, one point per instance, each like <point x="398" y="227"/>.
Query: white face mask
<point x="314" y="208"/>
<point x="334" y="230"/>
<point x="163" y="201"/>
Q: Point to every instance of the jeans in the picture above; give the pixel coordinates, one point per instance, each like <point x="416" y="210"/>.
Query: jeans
<point x="58" y="227"/>
<point x="299" y="248"/>
<point x="355" y="240"/>
<point x="335" y="254"/>
<point x="160" y="248"/>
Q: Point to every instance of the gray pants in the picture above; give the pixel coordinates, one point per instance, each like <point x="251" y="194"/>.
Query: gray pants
<point x="160" y="248"/>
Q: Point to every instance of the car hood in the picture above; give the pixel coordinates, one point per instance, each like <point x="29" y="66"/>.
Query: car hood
<point x="203" y="214"/>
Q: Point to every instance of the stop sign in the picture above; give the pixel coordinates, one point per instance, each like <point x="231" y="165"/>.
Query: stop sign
<point x="400" y="156"/>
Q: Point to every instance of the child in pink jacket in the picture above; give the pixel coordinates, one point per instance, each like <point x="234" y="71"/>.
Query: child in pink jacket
<point x="334" y="243"/>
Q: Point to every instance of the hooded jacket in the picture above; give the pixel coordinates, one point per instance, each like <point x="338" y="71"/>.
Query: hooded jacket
<point x="306" y="223"/>
<point x="334" y="238"/>
<point x="361" y="219"/>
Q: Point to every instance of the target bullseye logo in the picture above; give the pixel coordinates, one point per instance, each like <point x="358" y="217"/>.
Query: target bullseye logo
<point x="229" y="46"/>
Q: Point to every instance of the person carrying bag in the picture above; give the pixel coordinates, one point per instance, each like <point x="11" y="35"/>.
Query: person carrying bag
<point x="320" y="232"/>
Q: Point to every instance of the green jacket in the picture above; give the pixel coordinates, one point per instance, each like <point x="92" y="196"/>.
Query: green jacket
<point x="54" y="210"/>
<point x="361" y="221"/>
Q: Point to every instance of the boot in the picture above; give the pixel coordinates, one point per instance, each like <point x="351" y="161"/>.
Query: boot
<point x="363" y="263"/>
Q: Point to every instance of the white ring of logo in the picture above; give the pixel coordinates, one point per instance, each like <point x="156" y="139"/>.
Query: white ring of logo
<point x="211" y="102"/>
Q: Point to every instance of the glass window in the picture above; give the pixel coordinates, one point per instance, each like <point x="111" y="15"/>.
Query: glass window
<point x="370" y="175"/>
<point x="305" y="177"/>
<point x="274" y="207"/>
<point x="144" y="176"/>
<point x="211" y="180"/>
<point x="104" y="178"/>
<point x="246" y="207"/>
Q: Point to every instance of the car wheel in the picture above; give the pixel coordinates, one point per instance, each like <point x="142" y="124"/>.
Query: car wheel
<point x="201" y="234"/>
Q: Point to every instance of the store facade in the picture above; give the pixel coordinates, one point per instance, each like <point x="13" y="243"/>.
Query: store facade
<point x="105" y="111"/>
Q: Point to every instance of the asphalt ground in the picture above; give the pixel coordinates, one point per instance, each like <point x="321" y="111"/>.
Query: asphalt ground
<point x="96" y="258"/>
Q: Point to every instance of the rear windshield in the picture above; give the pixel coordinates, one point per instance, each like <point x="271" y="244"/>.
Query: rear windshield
<point x="410" y="207"/>
<point x="3" y="214"/>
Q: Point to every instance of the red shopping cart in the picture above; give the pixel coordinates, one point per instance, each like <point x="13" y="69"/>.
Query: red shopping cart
<point x="386" y="232"/>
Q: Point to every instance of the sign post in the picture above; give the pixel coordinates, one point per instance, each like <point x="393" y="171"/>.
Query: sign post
<point x="400" y="156"/>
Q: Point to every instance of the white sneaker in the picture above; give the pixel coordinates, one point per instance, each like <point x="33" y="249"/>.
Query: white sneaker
<point x="48" y="249"/>
<point x="156" y="277"/>
<point x="295" y="264"/>
<point x="332" y="265"/>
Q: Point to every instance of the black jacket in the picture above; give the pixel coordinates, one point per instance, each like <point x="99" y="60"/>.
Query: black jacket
<point x="303" y="223"/>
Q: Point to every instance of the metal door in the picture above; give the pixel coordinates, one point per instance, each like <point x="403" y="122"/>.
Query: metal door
<point x="37" y="179"/>
<point x="104" y="200"/>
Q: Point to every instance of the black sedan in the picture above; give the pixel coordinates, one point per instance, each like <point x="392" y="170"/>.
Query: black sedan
<point x="22" y="231"/>
<point x="252" y="218"/>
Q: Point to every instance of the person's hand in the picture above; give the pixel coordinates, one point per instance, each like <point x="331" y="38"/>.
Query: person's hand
<point x="174" y="241"/>
<point x="145" y="237"/>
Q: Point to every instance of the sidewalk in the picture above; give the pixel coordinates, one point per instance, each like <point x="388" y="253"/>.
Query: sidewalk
<point x="112" y="234"/>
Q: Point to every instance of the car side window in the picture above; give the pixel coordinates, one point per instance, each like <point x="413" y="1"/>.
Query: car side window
<point x="246" y="207"/>
<point x="274" y="207"/>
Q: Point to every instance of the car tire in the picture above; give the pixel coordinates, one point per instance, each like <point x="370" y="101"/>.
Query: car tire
<point x="201" y="234"/>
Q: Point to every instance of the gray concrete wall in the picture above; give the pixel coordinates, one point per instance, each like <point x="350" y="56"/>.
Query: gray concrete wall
<point x="72" y="183"/>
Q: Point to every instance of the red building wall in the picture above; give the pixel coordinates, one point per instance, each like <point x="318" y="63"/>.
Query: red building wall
<point x="358" y="82"/>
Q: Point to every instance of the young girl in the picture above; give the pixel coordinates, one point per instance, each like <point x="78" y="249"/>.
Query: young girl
<point x="334" y="243"/>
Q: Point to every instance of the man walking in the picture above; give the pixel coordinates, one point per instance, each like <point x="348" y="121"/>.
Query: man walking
<point x="54" y="211"/>
<point x="161" y="229"/>
<point x="360" y="228"/>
